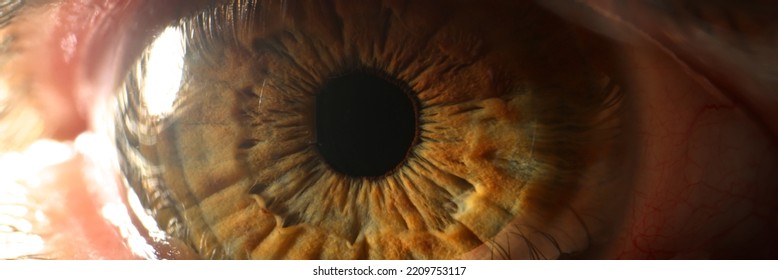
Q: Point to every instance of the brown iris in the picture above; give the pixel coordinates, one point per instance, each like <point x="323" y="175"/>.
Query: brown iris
<point x="369" y="129"/>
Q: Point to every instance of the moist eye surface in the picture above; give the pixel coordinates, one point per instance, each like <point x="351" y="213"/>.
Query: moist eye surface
<point x="365" y="129"/>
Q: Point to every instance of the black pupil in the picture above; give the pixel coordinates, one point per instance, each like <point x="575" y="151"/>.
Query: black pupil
<point x="364" y="124"/>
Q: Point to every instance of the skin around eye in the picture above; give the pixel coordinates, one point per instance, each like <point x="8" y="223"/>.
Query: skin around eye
<point x="681" y="213"/>
<point x="673" y="213"/>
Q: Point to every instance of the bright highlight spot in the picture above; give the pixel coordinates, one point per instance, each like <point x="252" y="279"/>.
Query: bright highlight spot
<point x="116" y="213"/>
<point x="25" y="167"/>
<point x="19" y="244"/>
<point x="164" y="69"/>
<point x="99" y="151"/>
<point x="16" y="237"/>
<point x="20" y="171"/>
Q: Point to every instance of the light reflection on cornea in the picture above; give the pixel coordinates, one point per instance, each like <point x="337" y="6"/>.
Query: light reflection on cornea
<point x="163" y="72"/>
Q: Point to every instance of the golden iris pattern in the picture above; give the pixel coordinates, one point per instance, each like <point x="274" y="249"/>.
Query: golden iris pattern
<point x="509" y="115"/>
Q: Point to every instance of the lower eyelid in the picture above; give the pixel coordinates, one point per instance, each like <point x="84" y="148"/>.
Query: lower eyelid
<point x="527" y="238"/>
<point x="61" y="206"/>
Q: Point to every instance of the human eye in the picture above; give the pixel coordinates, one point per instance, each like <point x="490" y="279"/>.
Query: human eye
<point x="658" y="156"/>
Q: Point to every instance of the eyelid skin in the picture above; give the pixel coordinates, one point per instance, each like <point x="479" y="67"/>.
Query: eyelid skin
<point x="725" y="46"/>
<point x="706" y="130"/>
